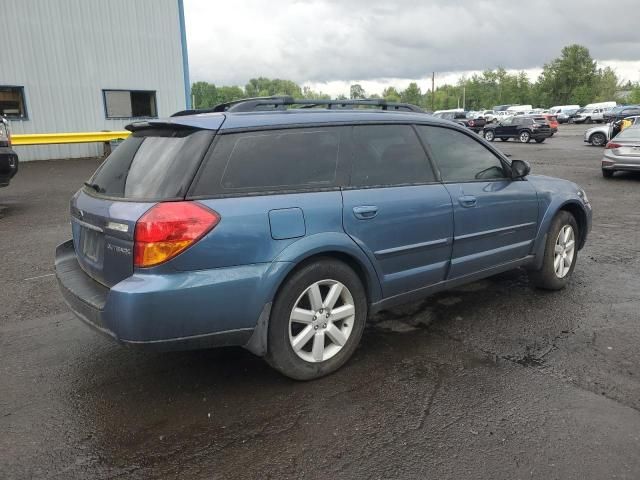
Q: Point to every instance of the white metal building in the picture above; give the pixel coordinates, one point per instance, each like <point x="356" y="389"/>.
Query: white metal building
<point x="89" y="65"/>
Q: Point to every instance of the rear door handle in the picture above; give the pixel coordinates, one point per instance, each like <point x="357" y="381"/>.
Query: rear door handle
<point x="468" y="201"/>
<point x="365" y="212"/>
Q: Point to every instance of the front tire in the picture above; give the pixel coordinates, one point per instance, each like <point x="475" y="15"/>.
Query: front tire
<point x="560" y="254"/>
<point x="607" y="173"/>
<point x="598" y="139"/>
<point x="524" y="137"/>
<point x="317" y="320"/>
<point x="489" y="136"/>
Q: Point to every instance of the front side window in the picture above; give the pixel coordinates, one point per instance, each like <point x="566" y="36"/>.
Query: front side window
<point x="388" y="155"/>
<point x="130" y="103"/>
<point x="459" y="157"/>
<point x="12" y="103"/>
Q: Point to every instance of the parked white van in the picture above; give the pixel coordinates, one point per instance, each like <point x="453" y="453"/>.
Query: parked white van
<point x="519" y="108"/>
<point x="563" y="108"/>
<point x="603" y="105"/>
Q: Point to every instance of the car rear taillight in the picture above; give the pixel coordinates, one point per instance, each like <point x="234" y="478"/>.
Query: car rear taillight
<point x="471" y="123"/>
<point x="169" y="228"/>
<point x="611" y="145"/>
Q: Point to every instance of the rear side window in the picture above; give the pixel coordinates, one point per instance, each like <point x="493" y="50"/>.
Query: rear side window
<point x="388" y="155"/>
<point x="154" y="164"/>
<point x="273" y="160"/>
<point x="459" y="157"/>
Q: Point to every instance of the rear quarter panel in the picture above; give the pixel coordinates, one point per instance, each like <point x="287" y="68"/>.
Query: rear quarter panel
<point x="245" y="235"/>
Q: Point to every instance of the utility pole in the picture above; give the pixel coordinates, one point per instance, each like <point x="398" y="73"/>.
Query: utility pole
<point x="433" y="91"/>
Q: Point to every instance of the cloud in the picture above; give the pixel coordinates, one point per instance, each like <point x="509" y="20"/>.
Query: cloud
<point x="320" y="41"/>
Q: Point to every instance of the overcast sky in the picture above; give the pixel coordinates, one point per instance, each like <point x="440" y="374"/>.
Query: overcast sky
<point x="329" y="44"/>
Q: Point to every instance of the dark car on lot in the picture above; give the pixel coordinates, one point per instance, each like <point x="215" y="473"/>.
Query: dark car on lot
<point x="463" y="118"/>
<point x="281" y="230"/>
<point x="620" y="112"/>
<point x="8" y="158"/>
<point x="523" y="128"/>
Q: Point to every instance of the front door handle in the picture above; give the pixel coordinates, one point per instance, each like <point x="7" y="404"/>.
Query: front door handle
<point x="365" y="212"/>
<point x="468" y="201"/>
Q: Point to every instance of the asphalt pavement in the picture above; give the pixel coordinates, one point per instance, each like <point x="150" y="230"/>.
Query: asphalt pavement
<point x="494" y="380"/>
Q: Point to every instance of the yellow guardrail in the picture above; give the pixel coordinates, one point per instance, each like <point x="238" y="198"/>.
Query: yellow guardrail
<point x="53" y="138"/>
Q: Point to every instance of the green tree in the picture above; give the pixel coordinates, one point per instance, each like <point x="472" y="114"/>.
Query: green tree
<point x="412" y="94"/>
<point x="356" y="91"/>
<point x="204" y="95"/>
<point x="569" y="78"/>
<point x="634" y="96"/>
<point x="229" y="94"/>
<point x="266" y="87"/>
<point x="308" y="93"/>
<point x="390" y="94"/>
<point x="606" y="85"/>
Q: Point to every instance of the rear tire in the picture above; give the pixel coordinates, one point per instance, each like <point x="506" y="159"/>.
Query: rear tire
<point x="539" y="140"/>
<point x="504" y="139"/>
<point x="489" y="136"/>
<point x="307" y="336"/>
<point x="555" y="273"/>
<point x="524" y="137"/>
<point x="607" y="173"/>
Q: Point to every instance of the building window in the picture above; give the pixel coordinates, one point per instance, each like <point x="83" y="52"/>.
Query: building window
<point x="12" y="104"/>
<point x="130" y="103"/>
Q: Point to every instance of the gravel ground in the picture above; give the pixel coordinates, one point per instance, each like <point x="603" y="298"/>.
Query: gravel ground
<point x="492" y="380"/>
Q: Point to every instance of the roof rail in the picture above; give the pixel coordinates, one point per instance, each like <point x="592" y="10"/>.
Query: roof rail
<point x="282" y="102"/>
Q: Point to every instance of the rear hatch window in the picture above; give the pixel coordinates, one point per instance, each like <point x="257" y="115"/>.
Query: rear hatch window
<point x="152" y="164"/>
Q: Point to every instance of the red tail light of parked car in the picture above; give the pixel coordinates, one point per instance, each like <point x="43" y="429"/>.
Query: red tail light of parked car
<point x="169" y="228"/>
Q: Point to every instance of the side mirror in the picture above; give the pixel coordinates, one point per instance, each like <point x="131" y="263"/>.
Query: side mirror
<point x="520" y="169"/>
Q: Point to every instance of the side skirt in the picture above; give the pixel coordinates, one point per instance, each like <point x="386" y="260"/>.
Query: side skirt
<point x="448" y="284"/>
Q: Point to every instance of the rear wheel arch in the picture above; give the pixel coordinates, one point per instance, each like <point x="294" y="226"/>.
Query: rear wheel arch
<point x="350" y="260"/>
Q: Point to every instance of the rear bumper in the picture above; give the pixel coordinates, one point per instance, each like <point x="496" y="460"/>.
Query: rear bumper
<point x="539" y="135"/>
<point x="169" y="311"/>
<point x="621" y="163"/>
<point x="8" y="165"/>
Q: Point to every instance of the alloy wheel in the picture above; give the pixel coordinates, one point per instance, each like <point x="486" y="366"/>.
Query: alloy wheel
<point x="564" y="251"/>
<point x="321" y="321"/>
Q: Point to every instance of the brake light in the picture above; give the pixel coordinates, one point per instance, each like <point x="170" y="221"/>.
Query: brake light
<point x="471" y="123"/>
<point x="611" y="145"/>
<point x="168" y="229"/>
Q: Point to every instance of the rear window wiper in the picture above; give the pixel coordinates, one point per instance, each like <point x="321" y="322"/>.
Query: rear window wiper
<point x="93" y="186"/>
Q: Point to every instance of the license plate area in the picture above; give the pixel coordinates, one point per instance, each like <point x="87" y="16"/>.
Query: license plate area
<point x="91" y="244"/>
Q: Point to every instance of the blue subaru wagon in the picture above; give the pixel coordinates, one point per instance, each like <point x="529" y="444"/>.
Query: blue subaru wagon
<point x="279" y="225"/>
